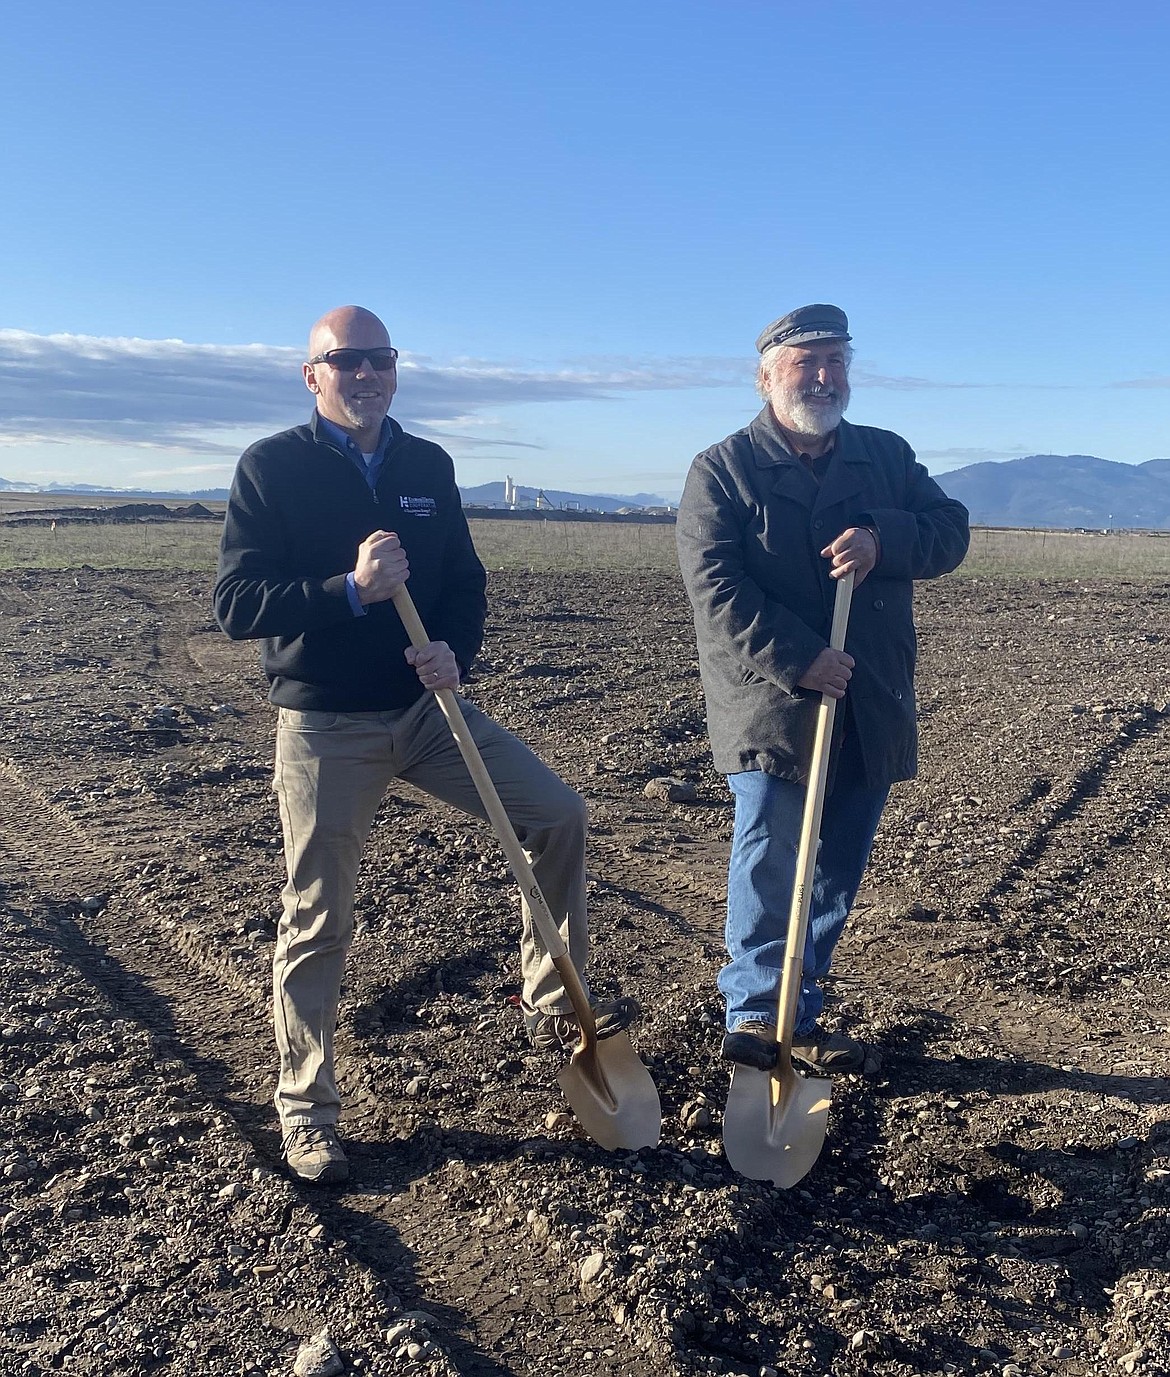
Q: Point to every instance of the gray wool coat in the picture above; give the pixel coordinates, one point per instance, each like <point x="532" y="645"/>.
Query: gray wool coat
<point x="751" y="525"/>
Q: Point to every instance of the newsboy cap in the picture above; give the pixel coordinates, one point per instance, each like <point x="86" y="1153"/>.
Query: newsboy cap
<point x="804" y="325"/>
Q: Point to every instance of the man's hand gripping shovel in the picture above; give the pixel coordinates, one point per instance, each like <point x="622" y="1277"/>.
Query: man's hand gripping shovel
<point x="775" y="1121"/>
<point x="605" y="1083"/>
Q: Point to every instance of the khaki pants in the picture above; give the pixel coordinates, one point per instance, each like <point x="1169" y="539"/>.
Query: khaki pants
<point x="332" y="770"/>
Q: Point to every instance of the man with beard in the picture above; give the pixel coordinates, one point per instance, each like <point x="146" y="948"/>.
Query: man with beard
<point x="307" y="565"/>
<point x="770" y="518"/>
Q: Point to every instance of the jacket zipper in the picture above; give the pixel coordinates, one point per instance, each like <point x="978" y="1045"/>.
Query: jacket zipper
<point x="328" y="444"/>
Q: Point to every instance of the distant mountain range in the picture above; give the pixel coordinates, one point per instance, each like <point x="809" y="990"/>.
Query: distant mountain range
<point x="96" y="490"/>
<point x="1065" y="491"/>
<point x="486" y="495"/>
<point x="1062" y="491"/>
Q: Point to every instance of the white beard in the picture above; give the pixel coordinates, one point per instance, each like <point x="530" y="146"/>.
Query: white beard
<point x="809" y="419"/>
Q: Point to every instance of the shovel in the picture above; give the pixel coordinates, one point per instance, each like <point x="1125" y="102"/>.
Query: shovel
<point x="605" y="1083"/>
<point x="775" y="1121"/>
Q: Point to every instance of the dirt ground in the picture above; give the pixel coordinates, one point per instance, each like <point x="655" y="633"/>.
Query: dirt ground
<point x="994" y="1198"/>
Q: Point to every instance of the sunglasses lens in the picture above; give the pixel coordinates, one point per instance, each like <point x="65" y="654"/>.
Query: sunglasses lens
<point x="350" y="360"/>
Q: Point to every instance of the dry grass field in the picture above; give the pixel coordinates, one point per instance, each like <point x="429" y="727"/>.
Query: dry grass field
<point x="549" y="545"/>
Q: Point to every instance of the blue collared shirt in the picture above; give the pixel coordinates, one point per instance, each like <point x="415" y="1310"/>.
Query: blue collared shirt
<point x="369" y="472"/>
<point x="344" y="442"/>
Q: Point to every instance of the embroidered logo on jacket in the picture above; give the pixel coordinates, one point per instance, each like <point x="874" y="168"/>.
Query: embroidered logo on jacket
<point x="418" y="506"/>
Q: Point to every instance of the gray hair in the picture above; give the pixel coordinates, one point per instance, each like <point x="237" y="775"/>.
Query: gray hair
<point x="769" y="355"/>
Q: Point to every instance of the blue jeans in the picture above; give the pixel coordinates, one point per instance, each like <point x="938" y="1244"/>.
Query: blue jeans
<point x="761" y="878"/>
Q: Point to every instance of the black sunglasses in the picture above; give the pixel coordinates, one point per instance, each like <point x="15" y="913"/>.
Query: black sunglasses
<point x="350" y="360"/>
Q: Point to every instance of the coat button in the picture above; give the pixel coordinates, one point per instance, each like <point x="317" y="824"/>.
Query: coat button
<point x="877" y="602"/>
<point x="817" y="524"/>
<point x="898" y="694"/>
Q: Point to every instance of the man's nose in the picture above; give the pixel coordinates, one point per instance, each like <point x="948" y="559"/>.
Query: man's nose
<point x="365" y="368"/>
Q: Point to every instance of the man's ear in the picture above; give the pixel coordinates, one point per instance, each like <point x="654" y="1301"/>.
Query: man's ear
<point x="310" y="380"/>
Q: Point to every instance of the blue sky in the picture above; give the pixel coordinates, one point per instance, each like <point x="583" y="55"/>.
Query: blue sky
<point x="574" y="221"/>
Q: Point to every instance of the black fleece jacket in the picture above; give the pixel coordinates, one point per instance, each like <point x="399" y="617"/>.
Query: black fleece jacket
<point x="297" y="513"/>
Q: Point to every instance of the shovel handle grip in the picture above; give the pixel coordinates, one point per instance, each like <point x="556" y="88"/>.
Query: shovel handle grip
<point x="545" y="923"/>
<point x="841" y="604"/>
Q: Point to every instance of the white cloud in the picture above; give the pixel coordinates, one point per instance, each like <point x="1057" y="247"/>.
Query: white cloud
<point x="175" y="396"/>
<point x="204" y="471"/>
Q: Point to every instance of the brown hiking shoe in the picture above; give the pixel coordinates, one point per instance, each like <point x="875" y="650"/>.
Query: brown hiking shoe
<point x="554" y="1032"/>
<point x="829" y="1051"/>
<point x="314" y="1155"/>
<point x="752" y="1044"/>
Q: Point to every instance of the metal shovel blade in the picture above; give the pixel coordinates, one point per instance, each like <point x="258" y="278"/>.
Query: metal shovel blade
<point x="612" y="1095"/>
<point x="775" y="1122"/>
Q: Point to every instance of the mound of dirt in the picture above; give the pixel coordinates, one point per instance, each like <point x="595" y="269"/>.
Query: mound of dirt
<point x="134" y="511"/>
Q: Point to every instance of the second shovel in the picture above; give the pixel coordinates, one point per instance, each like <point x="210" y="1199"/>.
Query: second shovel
<point x="775" y="1122"/>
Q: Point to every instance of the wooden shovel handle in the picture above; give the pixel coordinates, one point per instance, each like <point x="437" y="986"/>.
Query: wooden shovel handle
<point x="810" y="832"/>
<point x="546" y="924"/>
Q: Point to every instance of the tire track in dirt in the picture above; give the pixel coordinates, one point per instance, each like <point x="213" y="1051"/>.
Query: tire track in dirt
<point x="187" y="992"/>
<point x="1104" y="811"/>
<point x="1100" y="799"/>
<point x="687" y="890"/>
<point x="129" y="952"/>
<point x="1032" y="947"/>
<point x="406" y="1231"/>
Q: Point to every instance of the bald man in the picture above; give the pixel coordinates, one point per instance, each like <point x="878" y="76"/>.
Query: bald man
<point x="324" y="524"/>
